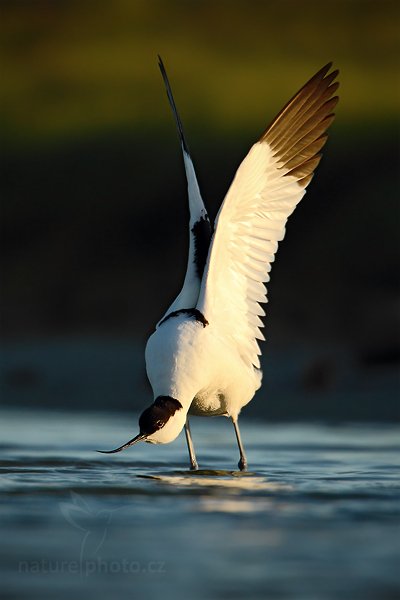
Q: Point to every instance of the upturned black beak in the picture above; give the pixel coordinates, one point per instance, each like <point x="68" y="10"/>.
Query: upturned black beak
<point x="135" y="440"/>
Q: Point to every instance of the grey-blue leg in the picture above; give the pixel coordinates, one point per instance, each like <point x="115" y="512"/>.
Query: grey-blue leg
<point x="242" y="464"/>
<point x="193" y="462"/>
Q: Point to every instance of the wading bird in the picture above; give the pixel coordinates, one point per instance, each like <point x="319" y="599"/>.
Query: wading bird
<point x="203" y="357"/>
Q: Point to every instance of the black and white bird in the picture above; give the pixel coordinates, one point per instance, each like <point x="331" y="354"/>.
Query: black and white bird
<point x="203" y="357"/>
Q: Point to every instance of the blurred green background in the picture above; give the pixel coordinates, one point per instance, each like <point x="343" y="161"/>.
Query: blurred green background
<point x="93" y="200"/>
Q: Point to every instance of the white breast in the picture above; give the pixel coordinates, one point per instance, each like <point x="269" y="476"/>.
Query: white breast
<point x="191" y="362"/>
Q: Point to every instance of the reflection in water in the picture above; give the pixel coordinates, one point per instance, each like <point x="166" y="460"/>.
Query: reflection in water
<point x="234" y="505"/>
<point x="227" y="480"/>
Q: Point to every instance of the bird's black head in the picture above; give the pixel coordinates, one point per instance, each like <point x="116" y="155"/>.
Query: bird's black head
<point x="154" y="419"/>
<point x="158" y="414"/>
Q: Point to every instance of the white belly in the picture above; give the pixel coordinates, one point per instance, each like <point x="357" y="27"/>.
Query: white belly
<point x="209" y="403"/>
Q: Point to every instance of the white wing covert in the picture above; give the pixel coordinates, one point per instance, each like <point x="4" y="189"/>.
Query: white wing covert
<point x="267" y="186"/>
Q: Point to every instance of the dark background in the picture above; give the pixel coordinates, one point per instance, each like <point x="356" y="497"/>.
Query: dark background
<point x="93" y="196"/>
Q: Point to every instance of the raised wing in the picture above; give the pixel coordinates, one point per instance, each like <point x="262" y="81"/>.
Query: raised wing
<point x="199" y="223"/>
<point x="251" y="221"/>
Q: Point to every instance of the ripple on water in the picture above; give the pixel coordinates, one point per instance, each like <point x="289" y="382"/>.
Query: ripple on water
<point x="320" y="504"/>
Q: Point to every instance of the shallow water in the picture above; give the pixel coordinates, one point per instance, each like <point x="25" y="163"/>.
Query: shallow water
<point x="317" y="516"/>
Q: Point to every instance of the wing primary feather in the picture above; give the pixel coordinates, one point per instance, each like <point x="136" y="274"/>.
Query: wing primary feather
<point x="306" y="168"/>
<point x="307" y="152"/>
<point x="304" y="144"/>
<point x="304" y="117"/>
<point x="296" y="102"/>
<point x="304" y="181"/>
<point x="173" y="105"/>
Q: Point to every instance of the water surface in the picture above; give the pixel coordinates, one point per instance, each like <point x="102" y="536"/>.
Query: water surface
<point x="317" y="515"/>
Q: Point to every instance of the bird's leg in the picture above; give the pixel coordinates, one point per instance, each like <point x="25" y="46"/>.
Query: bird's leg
<point x="193" y="462"/>
<point x="242" y="464"/>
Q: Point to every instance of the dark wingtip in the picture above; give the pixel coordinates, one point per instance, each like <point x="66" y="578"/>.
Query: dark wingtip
<point x="173" y="105"/>
<point x="324" y="70"/>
